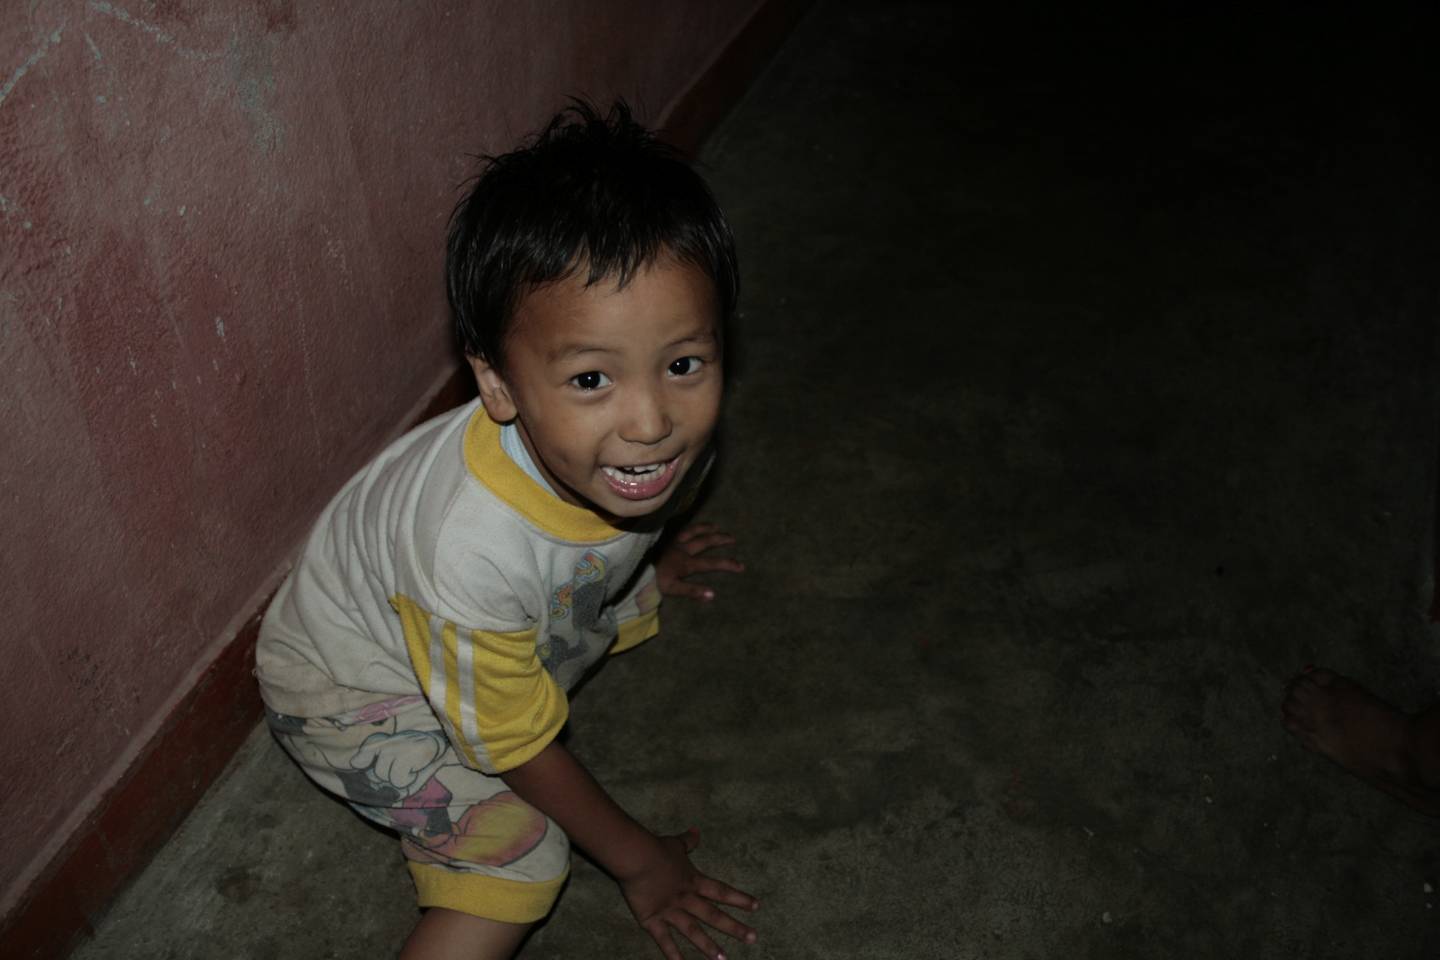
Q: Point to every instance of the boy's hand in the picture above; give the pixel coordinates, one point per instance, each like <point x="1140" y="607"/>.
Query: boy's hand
<point x="681" y="559"/>
<point x="668" y="895"/>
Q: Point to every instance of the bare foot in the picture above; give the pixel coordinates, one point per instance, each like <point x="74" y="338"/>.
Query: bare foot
<point x="1337" y="718"/>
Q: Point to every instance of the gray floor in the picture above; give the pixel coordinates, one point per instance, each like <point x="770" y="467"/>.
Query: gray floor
<point x="1086" y="391"/>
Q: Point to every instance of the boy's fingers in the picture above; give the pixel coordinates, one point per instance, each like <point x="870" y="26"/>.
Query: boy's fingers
<point x="712" y="889"/>
<point x="692" y="590"/>
<point x="692" y="531"/>
<point x="707" y="564"/>
<point x="707" y="542"/>
<point x="660" y="933"/>
<point x="689" y="927"/>
<point x="723" y="922"/>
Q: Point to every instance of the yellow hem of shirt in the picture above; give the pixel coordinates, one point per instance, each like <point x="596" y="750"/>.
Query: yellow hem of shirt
<point x="634" y="632"/>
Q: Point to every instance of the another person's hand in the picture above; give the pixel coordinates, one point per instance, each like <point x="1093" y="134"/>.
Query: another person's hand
<point x="668" y="896"/>
<point x="683" y="557"/>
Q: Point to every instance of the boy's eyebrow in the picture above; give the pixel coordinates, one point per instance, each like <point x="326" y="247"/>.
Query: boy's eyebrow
<point x="705" y="336"/>
<point x="568" y="350"/>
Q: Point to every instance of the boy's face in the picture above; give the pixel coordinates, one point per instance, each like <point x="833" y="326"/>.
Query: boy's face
<point x="615" y="391"/>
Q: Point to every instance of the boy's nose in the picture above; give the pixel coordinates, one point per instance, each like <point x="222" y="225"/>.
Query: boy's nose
<point x="646" y="420"/>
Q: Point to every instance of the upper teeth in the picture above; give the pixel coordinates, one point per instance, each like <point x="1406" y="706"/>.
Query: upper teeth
<point x="621" y="473"/>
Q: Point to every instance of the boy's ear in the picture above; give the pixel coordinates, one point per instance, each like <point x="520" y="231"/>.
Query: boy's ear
<point x="493" y="391"/>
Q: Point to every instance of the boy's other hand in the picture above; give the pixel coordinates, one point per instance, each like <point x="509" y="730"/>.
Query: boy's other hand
<point x="669" y="896"/>
<point x="682" y="558"/>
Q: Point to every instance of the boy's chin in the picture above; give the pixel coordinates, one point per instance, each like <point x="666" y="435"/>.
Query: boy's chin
<point x="635" y="514"/>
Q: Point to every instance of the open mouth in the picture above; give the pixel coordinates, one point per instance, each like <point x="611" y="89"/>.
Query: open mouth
<point x="641" y="481"/>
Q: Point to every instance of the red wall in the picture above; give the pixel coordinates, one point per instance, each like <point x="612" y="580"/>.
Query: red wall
<point x="221" y="232"/>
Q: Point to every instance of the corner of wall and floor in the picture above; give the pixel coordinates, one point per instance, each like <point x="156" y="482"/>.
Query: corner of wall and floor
<point x="151" y="786"/>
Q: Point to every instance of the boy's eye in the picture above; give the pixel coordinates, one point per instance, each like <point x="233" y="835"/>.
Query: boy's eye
<point x="685" y="366"/>
<point x="590" y="380"/>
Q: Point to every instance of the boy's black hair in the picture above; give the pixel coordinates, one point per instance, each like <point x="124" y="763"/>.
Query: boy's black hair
<point x="589" y="192"/>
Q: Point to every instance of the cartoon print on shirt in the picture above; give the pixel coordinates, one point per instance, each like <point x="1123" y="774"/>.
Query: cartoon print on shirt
<point x="589" y="628"/>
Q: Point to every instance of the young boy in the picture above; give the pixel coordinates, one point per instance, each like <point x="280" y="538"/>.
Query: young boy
<point x="416" y="661"/>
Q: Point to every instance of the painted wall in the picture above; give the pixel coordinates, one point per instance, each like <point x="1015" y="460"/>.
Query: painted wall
<point x="221" y="233"/>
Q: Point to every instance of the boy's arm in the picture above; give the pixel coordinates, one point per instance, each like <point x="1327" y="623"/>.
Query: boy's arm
<point x="664" y="891"/>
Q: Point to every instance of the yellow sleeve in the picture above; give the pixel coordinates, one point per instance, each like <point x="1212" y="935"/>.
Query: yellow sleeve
<point x="497" y="702"/>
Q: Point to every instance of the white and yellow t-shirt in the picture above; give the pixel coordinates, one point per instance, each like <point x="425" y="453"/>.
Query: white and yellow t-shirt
<point x="443" y="569"/>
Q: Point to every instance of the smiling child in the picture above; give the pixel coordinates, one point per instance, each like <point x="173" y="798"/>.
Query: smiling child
<point x="416" y="662"/>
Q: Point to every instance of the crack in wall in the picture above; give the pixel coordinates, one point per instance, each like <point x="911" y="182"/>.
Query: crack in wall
<point x="30" y="62"/>
<point x="161" y="36"/>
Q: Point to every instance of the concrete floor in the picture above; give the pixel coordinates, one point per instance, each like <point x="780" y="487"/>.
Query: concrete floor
<point x="1086" y="391"/>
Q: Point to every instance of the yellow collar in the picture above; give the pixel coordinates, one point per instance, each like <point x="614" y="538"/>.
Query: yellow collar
<point x="492" y="466"/>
